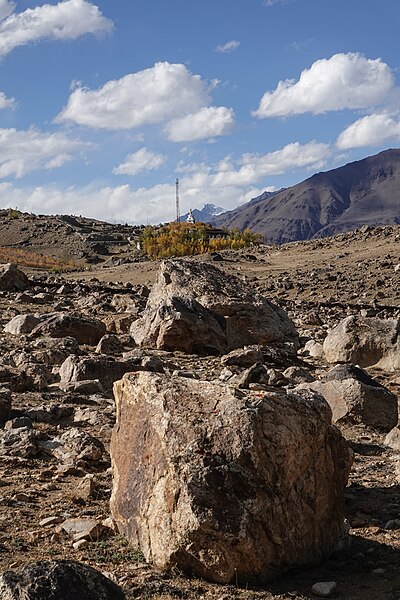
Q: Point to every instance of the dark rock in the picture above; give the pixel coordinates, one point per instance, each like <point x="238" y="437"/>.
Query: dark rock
<point x="58" y="580"/>
<point x="12" y="279"/>
<point x="83" y="329"/>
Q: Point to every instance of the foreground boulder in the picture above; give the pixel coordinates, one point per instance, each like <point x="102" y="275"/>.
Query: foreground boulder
<point x="225" y="484"/>
<point x="195" y="307"/>
<point x="12" y="279"/>
<point x="365" y="341"/>
<point x="355" y="397"/>
<point x="58" y="580"/>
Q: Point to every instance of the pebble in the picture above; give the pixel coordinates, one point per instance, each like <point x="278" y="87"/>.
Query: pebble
<point x="80" y="544"/>
<point x="50" y="521"/>
<point x="324" y="589"/>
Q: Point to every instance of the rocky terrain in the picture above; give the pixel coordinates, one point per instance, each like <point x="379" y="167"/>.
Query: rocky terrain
<point x="75" y="240"/>
<point x="365" y="192"/>
<point x="329" y="304"/>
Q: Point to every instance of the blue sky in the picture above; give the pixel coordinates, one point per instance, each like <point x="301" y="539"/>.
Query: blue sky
<point x="104" y="103"/>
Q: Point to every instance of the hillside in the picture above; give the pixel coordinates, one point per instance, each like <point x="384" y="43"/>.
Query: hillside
<point x="365" y="192"/>
<point x="71" y="238"/>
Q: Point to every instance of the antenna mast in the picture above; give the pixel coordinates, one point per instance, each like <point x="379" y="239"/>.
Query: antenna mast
<point x="178" y="212"/>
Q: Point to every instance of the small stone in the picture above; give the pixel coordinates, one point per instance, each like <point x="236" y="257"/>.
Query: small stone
<point x="85" y="488"/>
<point x="324" y="589"/>
<point x="83" y="529"/>
<point x="379" y="571"/>
<point x="50" y="521"/>
<point x="80" y="544"/>
<point x="22" y="497"/>
<point x="393" y="524"/>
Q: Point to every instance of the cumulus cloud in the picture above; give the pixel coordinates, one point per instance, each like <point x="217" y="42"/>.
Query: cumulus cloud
<point x="66" y="20"/>
<point x="151" y="96"/>
<point x="121" y="203"/>
<point x="343" y="81"/>
<point x="226" y="183"/>
<point x="142" y="160"/>
<point x="24" y="151"/>
<point x="6" y="8"/>
<point x="253" y="167"/>
<point x="204" y="124"/>
<point x="6" y="102"/>
<point x="166" y="94"/>
<point x="228" y="47"/>
<point x="372" y="130"/>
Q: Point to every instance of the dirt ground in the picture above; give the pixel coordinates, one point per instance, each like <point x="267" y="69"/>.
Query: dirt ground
<point x="347" y="273"/>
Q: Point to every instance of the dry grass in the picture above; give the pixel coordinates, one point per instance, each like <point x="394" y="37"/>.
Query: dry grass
<point x="32" y="259"/>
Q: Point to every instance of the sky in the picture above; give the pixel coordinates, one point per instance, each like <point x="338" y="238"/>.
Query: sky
<point x="104" y="103"/>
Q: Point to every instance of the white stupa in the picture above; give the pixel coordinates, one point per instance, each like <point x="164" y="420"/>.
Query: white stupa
<point x="190" y="218"/>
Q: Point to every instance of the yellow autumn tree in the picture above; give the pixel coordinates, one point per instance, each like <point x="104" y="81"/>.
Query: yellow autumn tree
<point x="186" y="239"/>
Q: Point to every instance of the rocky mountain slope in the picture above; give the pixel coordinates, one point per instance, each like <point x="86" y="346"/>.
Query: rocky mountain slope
<point x="366" y="192"/>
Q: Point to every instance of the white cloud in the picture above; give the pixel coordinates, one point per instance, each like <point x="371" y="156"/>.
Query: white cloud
<point x="342" y="81"/>
<point x="274" y="2"/>
<point x="256" y="166"/>
<point x="66" y="20"/>
<point x="121" y="203"/>
<point x="6" y="102"/>
<point x="24" y="151"/>
<point x="206" y="123"/>
<point x="6" y="8"/>
<point x="372" y="130"/>
<point x="225" y="183"/>
<point x="228" y="47"/>
<point x="142" y="160"/>
<point x="155" y="95"/>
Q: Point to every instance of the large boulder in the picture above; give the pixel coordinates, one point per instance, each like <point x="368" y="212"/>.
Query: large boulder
<point x="365" y="341"/>
<point x="226" y="484"/>
<point x="22" y="324"/>
<point x="104" y="369"/>
<point x="12" y="279"/>
<point x="58" y="325"/>
<point x="58" y="580"/>
<point x="181" y="324"/>
<point x="53" y="351"/>
<point x="195" y="307"/>
<point x="355" y="397"/>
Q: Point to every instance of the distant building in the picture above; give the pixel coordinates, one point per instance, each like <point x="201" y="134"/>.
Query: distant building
<point x="216" y="234"/>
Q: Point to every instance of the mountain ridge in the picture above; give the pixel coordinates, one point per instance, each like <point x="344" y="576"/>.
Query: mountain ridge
<point x="364" y="192"/>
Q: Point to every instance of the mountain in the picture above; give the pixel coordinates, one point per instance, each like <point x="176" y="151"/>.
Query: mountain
<point x="206" y="215"/>
<point x="264" y="196"/>
<point x="365" y="192"/>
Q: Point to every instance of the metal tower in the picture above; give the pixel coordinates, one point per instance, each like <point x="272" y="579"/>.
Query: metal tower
<point x="178" y="212"/>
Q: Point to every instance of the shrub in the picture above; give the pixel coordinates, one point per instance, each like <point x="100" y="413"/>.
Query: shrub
<point x="185" y="239"/>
